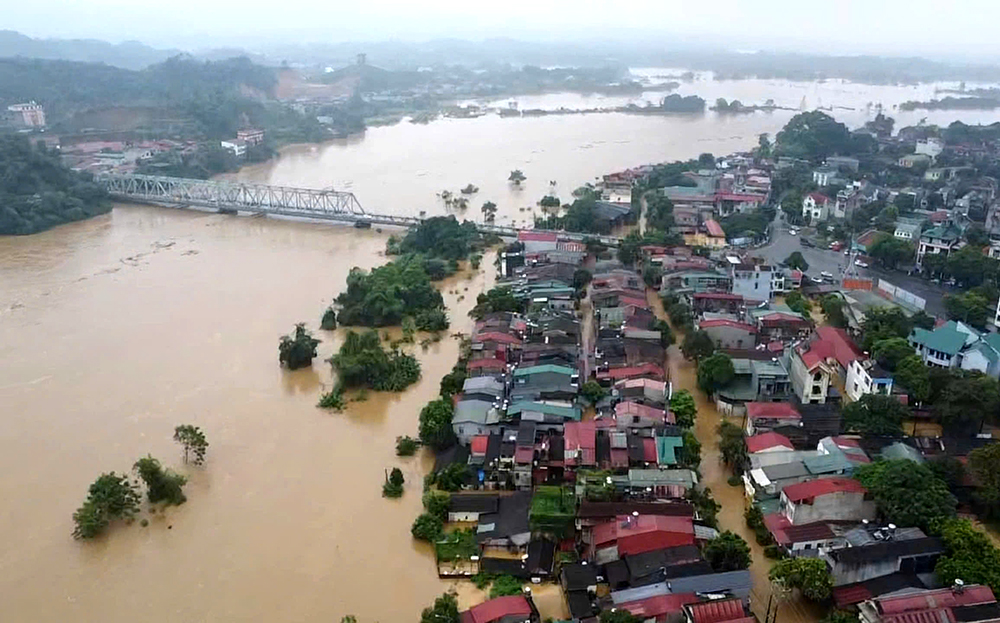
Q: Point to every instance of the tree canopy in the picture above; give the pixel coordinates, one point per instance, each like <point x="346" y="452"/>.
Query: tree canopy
<point x="497" y="299"/>
<point x="891" y="351"/>
<point x="727" y="552"/>
<point x="384" y="296"/>
<point x="875" y="414"/>
<point x="192" y="439"/>
<point x="444" y="610"/>
<point x="797" y="261"/>
<point x="883" y="323"/>
<point x="683" y="406"/>
<point x="38" y="192"/>
<point x="715" y="372"/>
<point x="111" y="496"/>
<point x="809" y="575"/>
<point x="984" y="466"/>
<point x="813" y="136"/>
<point x="970" y="556"/>
<point x="697" y="345"/>
<point x="162" y="485"/>
<point x="912" y="374"/>
<point x="907" y="493"/>
<point x="297" y="350"/>
<point x="435" y="424"/>
<point x="362" y="362"/>
<point x="441" y="236"/>
<point x="968" y="400"/>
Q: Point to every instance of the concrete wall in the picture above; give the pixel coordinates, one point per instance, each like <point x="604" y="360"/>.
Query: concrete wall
<point x="838" y="506"/>
<point x="730" y="337"/>
<point x="803" y="382"/>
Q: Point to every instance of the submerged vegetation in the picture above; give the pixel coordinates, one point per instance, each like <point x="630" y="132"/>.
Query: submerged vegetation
<point x="363" y="363"/>
<point x="297" y="350"/>
<point x="389" y="293"/>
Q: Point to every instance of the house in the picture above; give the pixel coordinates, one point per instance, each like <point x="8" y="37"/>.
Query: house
<point x="826" y="499"/>
<point x="850" y="565"/>
<point x="967" y="604"/>
<point x="814" y="366"/>
<point x="751" y="281"/>
<point x="538" y="242"/>
<point x="912" y="160"/>
<point x="237" y="146"/>
<point x="579" y="584"/>
<point x="718" y="611"/>
<point x="907" y="229"/>
<point x="469" y="506"/>
<point x="763" y="417"/>
<point x="488" y="388"/>
<point x="580" y="440"/>
<point x="251" y="136"/>
<point x="508" y="609"/>
<point x="827" y="176"/>
<point x="865" y="376"/>
<point x="696" y="281"/>
<point x="662" y="483"/>
<point x="729" y="334"/>
<point x="646" y="391"/>
<point x="660" y="608"/>
<point x="755" y="381"/>
<point x="710" y="235"/>
<point x="635" y="534"/>
<point x="816" y="207"/>
<point x="631" y="414"/>
<point x="718" y="302"/>
<point x="472" y="418"/>
<point x="939" y="240"/>
<point x="27" y="115"/>
<point x="508" y="528"/>
<point x="931" y="147"/>
<point x="957" y="345"/>
<point x="768" y="442"/>
<point x="779" y="324"/>
<point x="544" y="382"/>
<point x="803" y="539"/>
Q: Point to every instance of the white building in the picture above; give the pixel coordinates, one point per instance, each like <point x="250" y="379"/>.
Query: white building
<point x="28" y="115"/>
<point x="931" y="147"/>
<point x="864" y="376"/>
<point x="816" y="206"/>
<point x="237" y="146"/>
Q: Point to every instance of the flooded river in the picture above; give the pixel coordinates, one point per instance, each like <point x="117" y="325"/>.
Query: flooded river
<point x="115" y="330"/>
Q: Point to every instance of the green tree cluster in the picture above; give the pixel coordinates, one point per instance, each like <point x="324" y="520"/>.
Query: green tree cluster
<point x="833" y="310"/>
<point x="798" y="303"/>
<point x="813" y="136"/>
<point x="715" y="372"/>
<point x="162" y="484"/>
<point x="697" y="345"/>
<point x="684" y="408"/>
<point x="111" y="496"/>
<point x="884" y="323"/>
<point x="362" y="362"/>
<point x="593" y="392"/>
<point x="38" y="192"/>
<point x="297" y="350"/>
<point x="874" y="415"/>
<point x="970" y="556"/>
<point x="809" y="575"/>
<point x="406" y="446"/>
<point x="984" y="466"/>
<point x="435" y="424"/>
<point x="444" y="610"/>
<point x="387" y="294"/>
<point x="727" y="552"/>
<point x="732" y="446"/>
<point x="441" y="237"/>
<point x="498" y="299"/>
<point x="427" y="527"/>
<point x="393" y="486"/>
<point x="907" y="493"/>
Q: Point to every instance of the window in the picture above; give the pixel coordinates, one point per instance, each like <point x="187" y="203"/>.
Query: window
<point x="817" y="389"/>
<point x="817" y="377"/>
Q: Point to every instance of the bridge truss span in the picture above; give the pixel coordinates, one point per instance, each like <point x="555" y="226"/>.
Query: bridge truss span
<point x="305" y="202"/>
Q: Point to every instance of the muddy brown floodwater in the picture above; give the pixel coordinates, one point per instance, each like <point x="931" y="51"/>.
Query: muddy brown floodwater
<point x="113" y="331"/>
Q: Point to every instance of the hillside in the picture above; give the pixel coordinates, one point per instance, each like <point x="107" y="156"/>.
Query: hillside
<point x="38" y="192"/>
<point x="129" y="55"/>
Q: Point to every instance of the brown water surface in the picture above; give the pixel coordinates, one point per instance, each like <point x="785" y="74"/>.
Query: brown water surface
<point x="115" y="330"/>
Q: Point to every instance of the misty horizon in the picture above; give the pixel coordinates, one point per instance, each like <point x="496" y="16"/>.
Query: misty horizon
<point x="893" y="28"/>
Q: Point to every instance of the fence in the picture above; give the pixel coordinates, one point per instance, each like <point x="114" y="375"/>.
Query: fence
<point x="901" y="296"/>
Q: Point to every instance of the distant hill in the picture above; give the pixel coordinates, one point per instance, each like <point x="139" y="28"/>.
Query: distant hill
<point x="130" y="54"/>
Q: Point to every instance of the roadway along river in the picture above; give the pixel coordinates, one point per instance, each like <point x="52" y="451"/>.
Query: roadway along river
<point x="114" y="330"/>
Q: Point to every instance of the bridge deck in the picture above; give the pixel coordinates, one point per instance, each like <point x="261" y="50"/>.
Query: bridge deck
<point x="329" y="205"/>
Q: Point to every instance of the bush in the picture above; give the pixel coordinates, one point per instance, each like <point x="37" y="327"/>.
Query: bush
<point x="505" y="585"/>
<point x="734" y="481"/>
<point x="773" y="552"/>
<point x="436" y="503"/>
<point x="297" y="350"/>
<point x="427" y="527"/>
<point x="435" y="424"/>
<point x="111" y="496"/>
<point x="406" y="446"/>
<point x="333" y="399"/>
<point x="362" y="362"/>
<point x="329" y="320"/>
<point x="162" y="485"/>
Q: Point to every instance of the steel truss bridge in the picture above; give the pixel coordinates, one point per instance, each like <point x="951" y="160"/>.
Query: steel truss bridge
<point x="327" y="205"/>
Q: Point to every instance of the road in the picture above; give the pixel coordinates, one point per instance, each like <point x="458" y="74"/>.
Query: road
<point x="714" y="474"/>
<point x="783" y="244"/>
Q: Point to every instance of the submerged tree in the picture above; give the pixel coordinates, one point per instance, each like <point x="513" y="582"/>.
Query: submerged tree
<point x="516" y="176"/>
<point x="111" y="496"/>
<point x="162" y="485"/>
<point x="192" y="439"/>
<point x="329" y="320"/>
<point x="297" y="350"/>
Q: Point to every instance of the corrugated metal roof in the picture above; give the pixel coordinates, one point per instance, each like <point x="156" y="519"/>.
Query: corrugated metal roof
<point x="821" y="486"/>
<point x="717" y="611"/>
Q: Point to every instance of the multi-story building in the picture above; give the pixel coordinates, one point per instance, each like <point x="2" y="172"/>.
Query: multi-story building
<point x="751" y="281"/>
<point x="28" y="115"/>
<point x="940" y="240"/>
<point x="816" y="207"/>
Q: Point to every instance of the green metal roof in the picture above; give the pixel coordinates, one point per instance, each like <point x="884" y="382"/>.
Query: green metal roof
<point x="828" y="464"/>
<point x="567" y="413"/>
<point x="666" y="450"/>
<point x="544" y="368"/>
<point x="899" y="450"/>
<point x="987" y="352"/>
<point x="944" y="232"/>
<point x="946" y="339"/>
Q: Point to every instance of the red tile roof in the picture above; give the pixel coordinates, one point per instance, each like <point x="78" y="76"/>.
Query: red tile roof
<point x="582" y="437"/>
<point x="722" y="322"/>
<point x="536" y="236"/>
<point x="632" y="371"/>
<point x="480" y="443"/>
<point x="739" y="197"/>
<point x="941" y="598"/>
<point x="819" y="197"/>
<point x="851" y="594"/>
<point x="772" y="410"/>
<point x="643" y="411"/>
<point x="779" y="318"/>
<point x="717" y="611"/>
<point x="494" y="609"/>
<point x="659" y="605"/>
<point x="714" y="229"/>
<point x="644" y="533"/>
<point x="821" y="486"/>
<point x="492" y="364"/>
<point x="631" y="300"/>
<point x="766" y="441"/>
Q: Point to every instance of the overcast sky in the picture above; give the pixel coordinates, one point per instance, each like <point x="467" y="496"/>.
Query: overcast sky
<point x="931" y="28"/>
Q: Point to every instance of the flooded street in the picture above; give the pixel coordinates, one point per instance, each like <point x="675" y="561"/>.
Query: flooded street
<point x="714" y="473"/>
<point x="115" y="330"/>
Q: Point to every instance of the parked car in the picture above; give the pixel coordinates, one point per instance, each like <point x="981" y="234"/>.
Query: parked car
<point x="807" y="243"/>
<point x="835" y="245"/>
<point x="793" y="231"/>
<point x="860" y="264"/>
<point x="827" y="276"/>
<point x="816" y="279"/>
